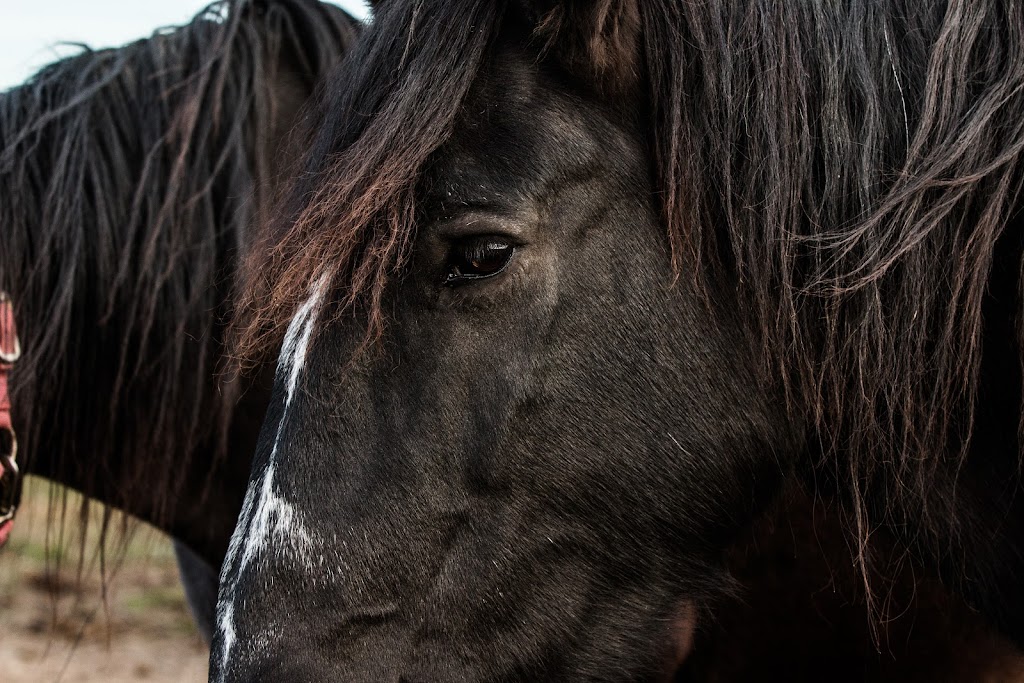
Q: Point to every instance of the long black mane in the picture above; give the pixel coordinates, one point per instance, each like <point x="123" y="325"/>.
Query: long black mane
<point x="851" y="166"/>
<point x="132" y="179"/>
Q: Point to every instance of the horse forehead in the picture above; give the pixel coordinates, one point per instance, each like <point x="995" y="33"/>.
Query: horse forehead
<point x="514" y="135"/>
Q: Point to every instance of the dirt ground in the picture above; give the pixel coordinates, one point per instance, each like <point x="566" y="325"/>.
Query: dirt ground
<point x="58" y="627"/>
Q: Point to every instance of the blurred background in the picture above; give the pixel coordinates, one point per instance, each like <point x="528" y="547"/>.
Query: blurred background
<point x="33" y="34"/>
<point x="61" y="620"/>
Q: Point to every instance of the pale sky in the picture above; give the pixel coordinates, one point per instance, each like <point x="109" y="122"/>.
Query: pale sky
<point x="31" y="30"/>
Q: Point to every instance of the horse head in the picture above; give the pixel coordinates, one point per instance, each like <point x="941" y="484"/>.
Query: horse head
<point x="563" y="289"/>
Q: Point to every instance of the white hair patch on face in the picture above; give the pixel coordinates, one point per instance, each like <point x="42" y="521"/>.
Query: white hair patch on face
<point x="266" y="515"/>
<point x="226" y="624"/>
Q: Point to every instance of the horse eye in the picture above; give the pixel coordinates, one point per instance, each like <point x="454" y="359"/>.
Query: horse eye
<point x="477" y="258"/>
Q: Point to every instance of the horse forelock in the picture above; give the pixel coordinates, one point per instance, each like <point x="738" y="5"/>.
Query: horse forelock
<point x="351" y="211"/>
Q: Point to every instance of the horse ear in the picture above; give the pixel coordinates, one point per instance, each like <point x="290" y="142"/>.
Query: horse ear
<point x="598" y="40"/>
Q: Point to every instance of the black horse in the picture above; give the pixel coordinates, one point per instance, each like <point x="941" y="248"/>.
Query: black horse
<point x="133" y="180"/>
<point x="568" y="289"/>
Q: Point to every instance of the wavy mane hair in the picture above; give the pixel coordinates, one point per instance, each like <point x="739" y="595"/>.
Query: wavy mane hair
<point x="849" y="166"/>
<point x="132" y="180"/>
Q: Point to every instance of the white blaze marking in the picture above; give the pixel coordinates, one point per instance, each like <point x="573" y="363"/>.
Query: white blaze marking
<point x="264" y="513"/>
<point x="227" y="629"/>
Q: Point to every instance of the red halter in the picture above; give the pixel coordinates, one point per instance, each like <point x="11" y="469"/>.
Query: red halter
<point x="10" y="350"/>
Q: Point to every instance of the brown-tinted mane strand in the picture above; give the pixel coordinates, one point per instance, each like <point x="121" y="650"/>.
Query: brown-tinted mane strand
<point x="350" y="215"/>
<point x="130" y="180"/>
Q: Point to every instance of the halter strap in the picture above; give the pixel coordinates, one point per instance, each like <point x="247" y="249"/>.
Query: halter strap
<point x="10" y="350"/>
